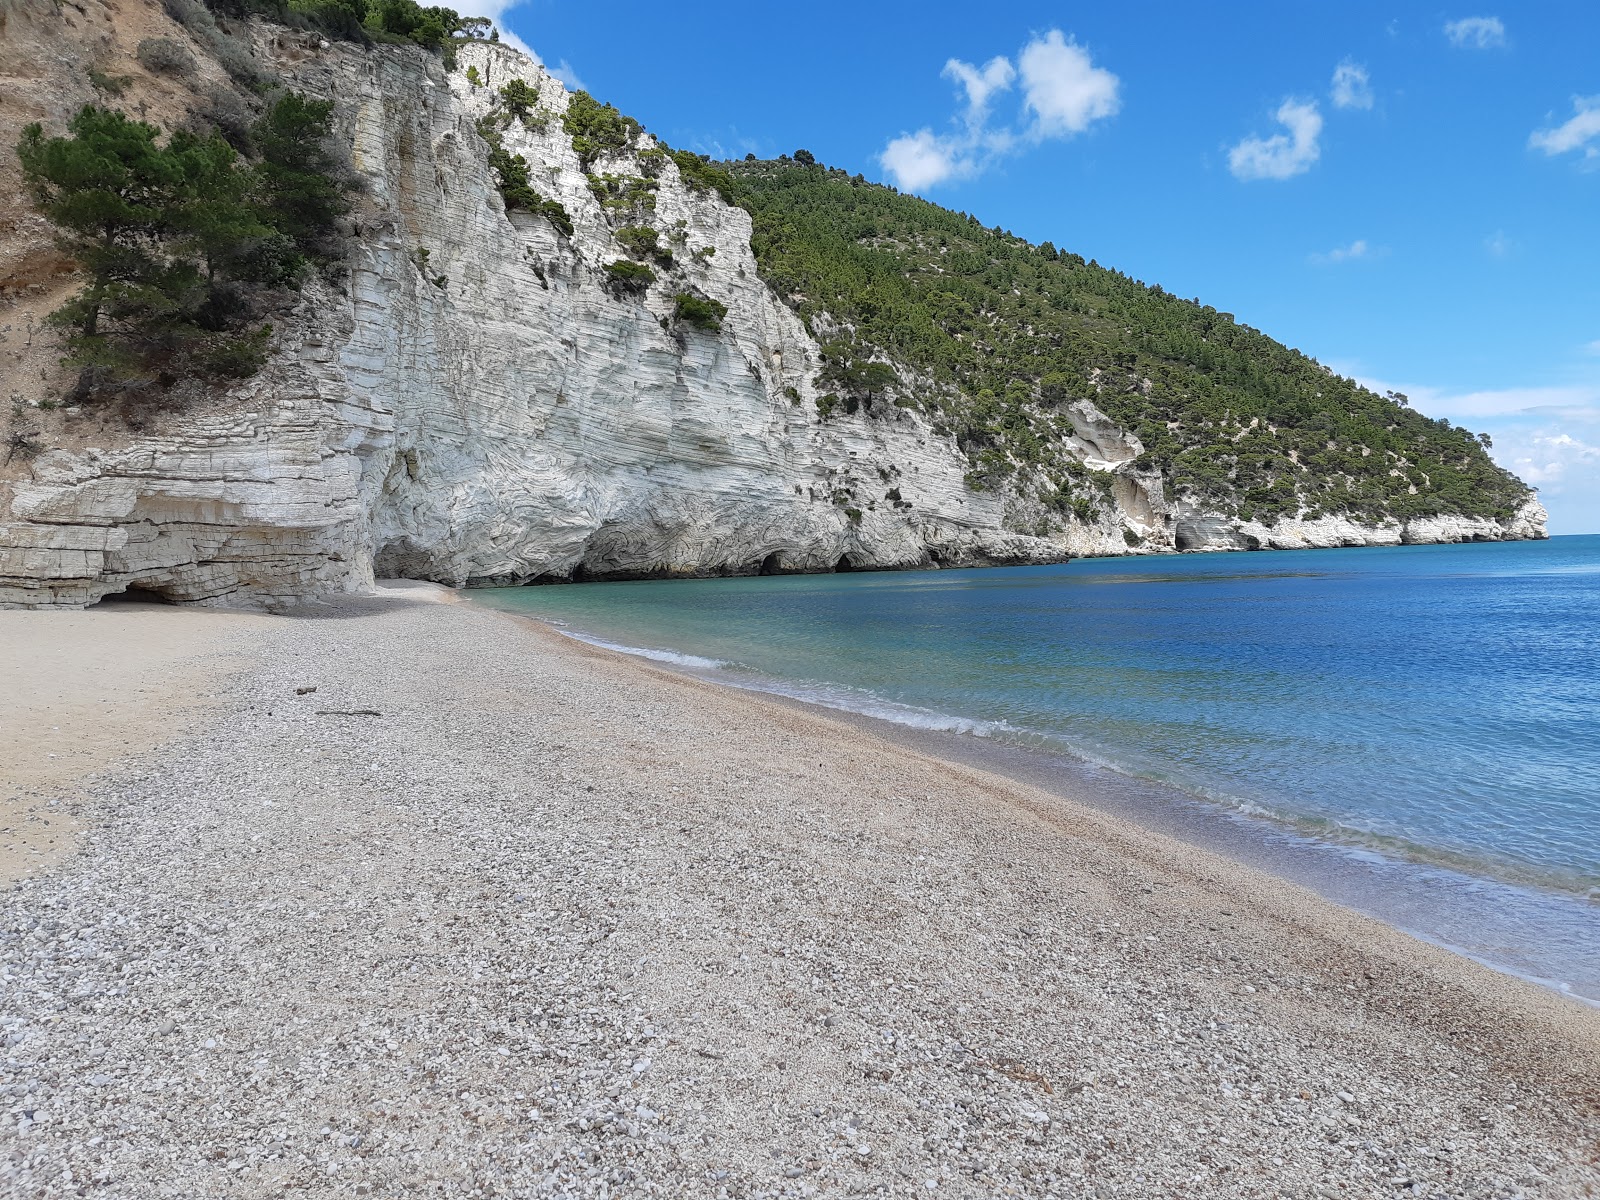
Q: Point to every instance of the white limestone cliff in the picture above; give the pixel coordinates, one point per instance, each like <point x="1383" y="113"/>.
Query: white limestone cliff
<point x="491" y="411"/>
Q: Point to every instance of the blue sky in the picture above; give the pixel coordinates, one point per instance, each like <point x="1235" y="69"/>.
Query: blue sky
<point x="1410" y="194"/>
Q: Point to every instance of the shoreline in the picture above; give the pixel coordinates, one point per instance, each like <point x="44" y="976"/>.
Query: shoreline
<point x="1440" y="902"/>
<point x="555" y="919"/>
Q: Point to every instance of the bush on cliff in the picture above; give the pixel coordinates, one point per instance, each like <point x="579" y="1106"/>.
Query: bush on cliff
<point x="595" y="128"/>
<point x="624" y="278"/>
<point x="699" y="311"/>
<point x="515" y="184"/>
<point x="181" y="242"/>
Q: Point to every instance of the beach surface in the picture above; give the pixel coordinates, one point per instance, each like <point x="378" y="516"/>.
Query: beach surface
<point x="393" y="897"/>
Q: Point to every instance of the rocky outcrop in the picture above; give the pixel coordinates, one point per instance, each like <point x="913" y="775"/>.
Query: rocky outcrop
<point x="481" y="404"/>
<point x="1198" y="530"/>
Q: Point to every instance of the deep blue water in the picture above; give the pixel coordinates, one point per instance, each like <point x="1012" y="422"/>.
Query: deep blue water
<point x="1432" y="704"/>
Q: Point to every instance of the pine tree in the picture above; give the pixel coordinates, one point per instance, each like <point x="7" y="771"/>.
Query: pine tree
<point x="302" y="193"/>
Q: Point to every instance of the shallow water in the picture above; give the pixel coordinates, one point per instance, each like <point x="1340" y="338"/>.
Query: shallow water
<point x="1429" y="711"/>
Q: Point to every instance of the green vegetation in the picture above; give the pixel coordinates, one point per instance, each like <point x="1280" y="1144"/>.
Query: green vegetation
<point x="596" y="129"/>
<point x="522" y="102"/>
<point x="111" y="85"/>
<point x="620" y="194"/>
<point x="516" y="187"/>
<point x="642" y="241"/>
<point x="181" y="243"/>
<point x="628" y="278"/>
<point x="699" y="311"/>
<point x="396" y="22"/>
<point x="1011" y="333"/>
<point x="164" y="56"/>
<point x="699" y="175"/>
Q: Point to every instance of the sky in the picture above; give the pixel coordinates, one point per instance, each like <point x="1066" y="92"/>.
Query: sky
<point x="1409" y="194"/>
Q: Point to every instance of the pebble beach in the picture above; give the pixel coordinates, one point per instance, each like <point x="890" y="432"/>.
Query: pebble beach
<point x="429" y="900"/>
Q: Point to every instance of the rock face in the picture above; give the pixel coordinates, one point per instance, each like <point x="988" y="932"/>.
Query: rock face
<point x="497" y="410"/>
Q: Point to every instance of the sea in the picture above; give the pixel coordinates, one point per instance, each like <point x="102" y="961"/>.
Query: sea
<point x="1412" y="731"/>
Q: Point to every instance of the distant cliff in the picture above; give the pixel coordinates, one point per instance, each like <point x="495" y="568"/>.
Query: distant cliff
<point x="601" y="382"/>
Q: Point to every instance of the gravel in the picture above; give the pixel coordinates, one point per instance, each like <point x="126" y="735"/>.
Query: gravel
<point x="559" y="924"/>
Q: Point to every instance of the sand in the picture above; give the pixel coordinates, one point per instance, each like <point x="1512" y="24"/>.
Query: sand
<point x="556" y="922"/>
<point x="84" y="690"/>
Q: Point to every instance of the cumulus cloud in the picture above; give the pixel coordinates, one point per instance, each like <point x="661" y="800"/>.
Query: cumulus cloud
<point x="1063" y="93"/>
<point x="1063" y="89"/>
<point x="1283" y="155"/>
<point x="1360" y="248"/>
<point x="1476" y="33"/>
<point x="996" y="75"/>
<point x="1580" y="132"/>
<point x="1352" y="87"/>
<point x="1546" y="458"/>
<point x="923" y="159"/>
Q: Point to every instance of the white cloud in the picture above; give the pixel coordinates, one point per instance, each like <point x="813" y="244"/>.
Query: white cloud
<point x="1352" y="87"/>
<point x="922" y="159"/>
<point x="996" y="75"/>
<point x="1281" y="156"/>
<point x="1580" y="132"/>
<point x="1359" y="248"/>
<point x="1064" y="90"/>
<point x="1063" y="93"/>
<point x="563" y="71"/>
<point x="1498" y="244"/>
<point x="1476" y="33"/>
<point x="1545" y="458"/>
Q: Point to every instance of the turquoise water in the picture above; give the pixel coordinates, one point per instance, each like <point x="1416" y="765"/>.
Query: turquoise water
<point x="1436" y="705"/>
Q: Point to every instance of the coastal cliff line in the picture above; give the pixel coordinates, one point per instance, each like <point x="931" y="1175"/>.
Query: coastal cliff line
<point x="485" y="396"/>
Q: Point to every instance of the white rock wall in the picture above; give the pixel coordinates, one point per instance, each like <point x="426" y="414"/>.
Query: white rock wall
<point x="493" y="413"/>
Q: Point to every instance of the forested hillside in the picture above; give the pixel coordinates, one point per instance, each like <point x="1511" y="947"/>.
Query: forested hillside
<point x="1000" y="334"/>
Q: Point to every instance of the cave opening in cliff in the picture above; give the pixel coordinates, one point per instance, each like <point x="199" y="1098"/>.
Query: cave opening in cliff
<point x="772" y="564"/>
<point x="133" y="594"/>
<point x="844" y="564"/>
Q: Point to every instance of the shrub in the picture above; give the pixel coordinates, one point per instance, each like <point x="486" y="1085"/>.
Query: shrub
<point x="699" y="175"/>
<point x="222" y="110"/>
<point x="516" y="187"/>
<point x="111" y="85"/>
<point x="24" y="442"/>
<point x="596" y="128"/>
<point x="628" y="278"/>
<point x="699" y="311"/>
<point x="556" y="213"/>
<point x="163" y="56"/>
<point x="472" y="76"/>
<point x="641" y="241"/>
<point x="624" y="193"/>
